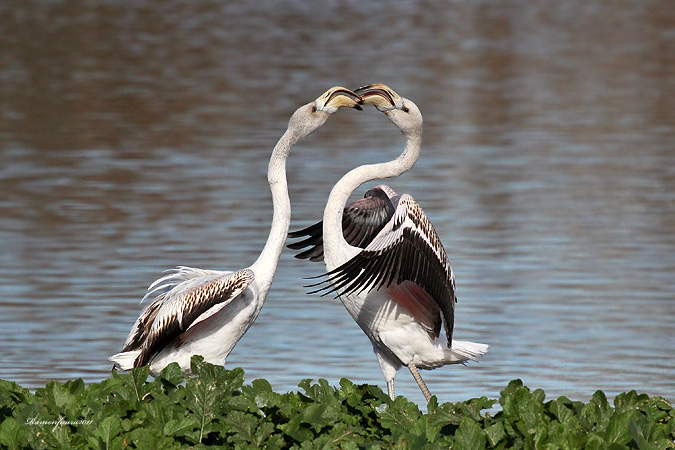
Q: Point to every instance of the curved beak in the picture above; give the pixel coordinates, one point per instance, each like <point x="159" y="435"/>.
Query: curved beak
<point x="381" y="96"/>
<point x="336" y="98"/>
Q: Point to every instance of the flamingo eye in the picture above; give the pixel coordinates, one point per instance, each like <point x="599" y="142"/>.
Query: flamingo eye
<point x="313" y="108"/>
<point x="405" y="109"/>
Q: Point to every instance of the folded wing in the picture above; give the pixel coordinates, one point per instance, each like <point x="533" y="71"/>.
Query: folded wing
<point x="189" y="297"/>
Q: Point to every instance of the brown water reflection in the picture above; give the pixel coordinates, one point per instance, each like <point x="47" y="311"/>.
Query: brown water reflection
<point x="135" y="137"/>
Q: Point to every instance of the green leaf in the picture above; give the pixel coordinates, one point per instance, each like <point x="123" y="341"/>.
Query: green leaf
<point x="263" y="433"/>
<point x="296" y="430"/>
<point x="524" y="409"/>
<point x="641" y="431"/>
<point x="446" y="414"/>
<point x="514" y="385"/>
<point x="617" y="429"/>
<point x="258" y="398"/>
<point x="474" y="406"/>
<point x="560" y="411"/>
<point x="179" y="427"/>
<point x="138" y="376"/>
<point x="595" y="442"/>
<point x="657" y="409"/>
<point x="63" y="399"/>
<point x="600" y="399"/>
<point x="59" y="437"/>
<point x="201" y="399"/>
<point x="318" y="416"/>
<point x="108" y="428"/>
<point x="152" y="439"/>
<point x="171" y="376"/>
<point x="245" y="429"/>
<point x="495" y="433"/>
<point x="469" y="436"/>
<point x="11" y="394"/>
<point x="129" y="388"/>
<point x="590" y="416"/>
<point x="629" y="401"/>
<point x="261" y="386"/>
<point x="12" y="434"/>
<point x="212" y="408"/>
<point x="321" y="390"/>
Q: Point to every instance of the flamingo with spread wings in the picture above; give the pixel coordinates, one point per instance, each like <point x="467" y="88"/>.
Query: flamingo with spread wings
<point x="386" y="262"/>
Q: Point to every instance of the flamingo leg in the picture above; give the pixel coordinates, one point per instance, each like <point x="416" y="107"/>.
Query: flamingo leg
<point x="420" y="382"/>
<point x="390" y="389"/>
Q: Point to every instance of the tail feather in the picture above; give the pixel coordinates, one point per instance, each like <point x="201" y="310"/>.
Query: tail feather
<point x="125" y="360"/>
<point x="462" y="351"/>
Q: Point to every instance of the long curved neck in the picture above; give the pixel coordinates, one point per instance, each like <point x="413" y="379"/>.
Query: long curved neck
<point x="336" y="248"/>
<point x="266" y="264"/>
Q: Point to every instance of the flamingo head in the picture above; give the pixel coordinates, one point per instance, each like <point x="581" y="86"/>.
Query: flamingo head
<point x="311" y="116"/>
<point x="401" y="111"/>
<point x="381" y="96"/>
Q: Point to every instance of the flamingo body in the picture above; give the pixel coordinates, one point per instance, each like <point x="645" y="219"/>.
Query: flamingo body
<point x="386" y="262"/>
<point x="206" y="312"/>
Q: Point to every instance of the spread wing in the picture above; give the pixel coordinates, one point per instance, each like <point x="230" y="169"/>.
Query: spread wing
<point x="188" y="297"/>
<point x="407" y="259"/>
<point x="361" y="221"/>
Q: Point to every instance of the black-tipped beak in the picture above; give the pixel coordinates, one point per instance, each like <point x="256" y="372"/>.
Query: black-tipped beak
<point x="372" y="90"/>
<point x="357" y="98"/>
<point x="337" y="97"/>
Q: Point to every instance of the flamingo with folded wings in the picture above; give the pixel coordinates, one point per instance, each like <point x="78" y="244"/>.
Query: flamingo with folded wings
<point x="206" y="312"/>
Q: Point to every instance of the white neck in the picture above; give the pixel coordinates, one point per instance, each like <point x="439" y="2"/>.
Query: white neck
<point x="336" y="249"/>
<point x="266" y="264"/>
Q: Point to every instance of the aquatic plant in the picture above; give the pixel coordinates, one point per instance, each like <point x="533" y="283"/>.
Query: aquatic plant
<point x="214" y="407"/>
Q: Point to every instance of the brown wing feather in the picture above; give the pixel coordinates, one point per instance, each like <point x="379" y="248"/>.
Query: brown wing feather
<point x="406" y="249"/>
<point x="182" y="307"/>
<point x="361" y="221"/>
<point x="142" y="326"/>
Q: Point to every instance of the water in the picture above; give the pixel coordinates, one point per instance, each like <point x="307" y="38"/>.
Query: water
<point x="135" y="137"/>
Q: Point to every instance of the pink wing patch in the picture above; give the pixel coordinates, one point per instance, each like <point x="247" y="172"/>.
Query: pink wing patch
<point x="419" y="303"/>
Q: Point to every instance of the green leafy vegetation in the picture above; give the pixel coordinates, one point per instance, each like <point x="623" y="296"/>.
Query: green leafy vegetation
<point x="213" y="407"/>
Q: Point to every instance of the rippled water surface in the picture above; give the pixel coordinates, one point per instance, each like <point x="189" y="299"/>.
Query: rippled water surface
<point x="134" y="137"/>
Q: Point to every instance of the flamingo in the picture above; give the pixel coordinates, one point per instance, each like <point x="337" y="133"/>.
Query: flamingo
<point x="206" y="312"/>
<point x="386" y="262"/>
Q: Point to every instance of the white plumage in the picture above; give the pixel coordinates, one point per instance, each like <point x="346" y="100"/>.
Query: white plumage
<point x="386" y="262"/>
<point x="206" y="312"/>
